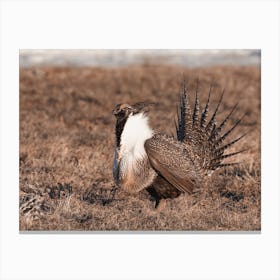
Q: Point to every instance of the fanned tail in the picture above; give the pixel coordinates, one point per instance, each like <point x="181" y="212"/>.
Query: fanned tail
<point x="205" y="139"/>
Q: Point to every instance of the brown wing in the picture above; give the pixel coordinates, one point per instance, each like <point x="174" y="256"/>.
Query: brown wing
<point x="170" y="158"/>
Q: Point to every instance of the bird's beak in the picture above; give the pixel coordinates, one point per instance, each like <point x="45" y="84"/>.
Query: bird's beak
<point x="115" y="111"/>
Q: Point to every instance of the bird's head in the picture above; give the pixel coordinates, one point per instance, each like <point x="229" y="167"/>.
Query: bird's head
<point x="124" y="110"/>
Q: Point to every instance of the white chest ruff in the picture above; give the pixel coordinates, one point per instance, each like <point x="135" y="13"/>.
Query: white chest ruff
<point x="136" y="131"/>
<point x="135" y="172"/>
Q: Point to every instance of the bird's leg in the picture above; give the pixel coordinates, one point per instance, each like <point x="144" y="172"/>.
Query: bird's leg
<point x="154" y="196"/>
<point x="157" y="202"/>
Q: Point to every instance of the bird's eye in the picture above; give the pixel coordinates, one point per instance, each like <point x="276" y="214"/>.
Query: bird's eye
<point x="121" y="112"/>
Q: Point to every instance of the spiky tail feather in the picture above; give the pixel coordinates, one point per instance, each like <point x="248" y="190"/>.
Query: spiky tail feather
<point x="206" y="139"/>
<point x="184" y="118"/>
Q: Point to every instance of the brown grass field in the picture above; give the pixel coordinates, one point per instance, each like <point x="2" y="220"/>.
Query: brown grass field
<point x="67" y="142"/>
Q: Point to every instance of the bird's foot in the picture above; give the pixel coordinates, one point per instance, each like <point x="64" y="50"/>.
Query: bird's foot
<point x="160" y="205"/>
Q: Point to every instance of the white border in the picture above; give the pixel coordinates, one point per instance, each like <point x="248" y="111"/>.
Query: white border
<point x="166" y="24"/>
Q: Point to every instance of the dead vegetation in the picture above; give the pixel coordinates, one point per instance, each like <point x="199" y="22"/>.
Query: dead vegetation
<point x="67" y="140"/>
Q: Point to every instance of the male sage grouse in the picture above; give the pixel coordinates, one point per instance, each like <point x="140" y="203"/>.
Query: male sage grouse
<point x="167" y="166"/>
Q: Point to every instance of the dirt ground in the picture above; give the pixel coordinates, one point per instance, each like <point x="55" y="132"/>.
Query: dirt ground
<point x="67" y="142"/>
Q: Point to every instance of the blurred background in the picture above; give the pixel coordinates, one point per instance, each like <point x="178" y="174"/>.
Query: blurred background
<point x="115" y="58"/>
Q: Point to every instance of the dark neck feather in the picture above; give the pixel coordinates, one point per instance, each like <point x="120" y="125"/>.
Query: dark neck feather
<point x="119" y="129"/>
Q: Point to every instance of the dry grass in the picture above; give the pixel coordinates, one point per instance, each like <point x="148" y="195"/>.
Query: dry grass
<point x="67" y="140"/>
